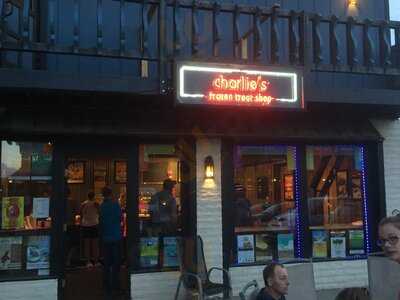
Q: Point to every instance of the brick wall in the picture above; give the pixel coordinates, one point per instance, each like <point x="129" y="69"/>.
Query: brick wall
<point x="154" y="286"/>
<point x="32" y="290"/>
<point x="209" y="209"/>
<point x="390" y="130"/>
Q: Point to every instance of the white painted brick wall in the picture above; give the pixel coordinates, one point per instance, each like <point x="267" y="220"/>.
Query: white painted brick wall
<point x="340" y="274"/>
<point x="32" y="290"/>
<point x="390" y="130"/>
<point x="154" y="286"/>
<point x="209" y="209"/>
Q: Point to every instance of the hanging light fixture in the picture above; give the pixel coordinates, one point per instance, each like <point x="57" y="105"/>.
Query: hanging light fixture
<point x="209" y="167"/>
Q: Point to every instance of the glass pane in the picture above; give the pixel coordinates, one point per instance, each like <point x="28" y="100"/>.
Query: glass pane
<point x="25" y="208"/>
<point x="159" y="205"/>
<point x="335" y="200"/>
<point x="264" y="206"/>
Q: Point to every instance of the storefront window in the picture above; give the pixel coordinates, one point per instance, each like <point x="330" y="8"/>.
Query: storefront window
<point x="335" y="200"/>
<point x="25" y="218"/>
<point x="159" y="205"/>
<point x="264" y="203"/>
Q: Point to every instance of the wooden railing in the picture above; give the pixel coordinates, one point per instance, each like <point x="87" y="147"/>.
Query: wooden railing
<point x="160" y="31"/>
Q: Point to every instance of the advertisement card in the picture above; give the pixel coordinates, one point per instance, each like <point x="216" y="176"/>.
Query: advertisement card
<point x="12" y="212"/>
<point x="149" y="251"/>
<point x="38" y="252"/>
<point x="170" y="252"/>
<point x="245" y="248"/>
<point x="41" y="207"/>
<point x="10" y="253"/>
<point x="356" y="242"/>
<point x="320" y="243"/>
<point x="285" y="245"/>
<point x="338" y="244"/>
<point x="264" y="247"/>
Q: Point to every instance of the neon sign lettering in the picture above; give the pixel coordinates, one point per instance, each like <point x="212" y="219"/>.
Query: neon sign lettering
<point x="240" y="90"/>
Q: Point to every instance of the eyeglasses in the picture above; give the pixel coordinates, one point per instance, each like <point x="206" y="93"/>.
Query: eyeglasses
<point x="392" y="240"/>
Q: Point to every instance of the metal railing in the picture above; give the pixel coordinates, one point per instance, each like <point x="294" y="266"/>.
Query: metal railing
<point x="160" y="31"/>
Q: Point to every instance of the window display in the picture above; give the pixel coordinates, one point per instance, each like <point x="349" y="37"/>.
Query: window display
<point x="25" y="203"/>
<point x="335" y="199"/>
<point x="264" y="206"/>
<point x="159" y="205"/>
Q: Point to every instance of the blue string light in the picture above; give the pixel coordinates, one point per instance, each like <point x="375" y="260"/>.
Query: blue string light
<point x="364" y="192"/>
<point x="297" y="191"/>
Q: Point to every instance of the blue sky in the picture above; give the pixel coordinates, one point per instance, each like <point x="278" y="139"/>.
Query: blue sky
<point x="394" y="6"/>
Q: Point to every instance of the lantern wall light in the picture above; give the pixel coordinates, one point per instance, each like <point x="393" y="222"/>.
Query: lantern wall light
<point x="208" y="168"/>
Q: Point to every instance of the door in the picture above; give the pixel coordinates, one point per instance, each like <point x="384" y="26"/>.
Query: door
<point x="88" y="169"/>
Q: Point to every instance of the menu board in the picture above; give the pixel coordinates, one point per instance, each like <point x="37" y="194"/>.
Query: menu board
<point x="264" y="247"/>
<point x="338" y="244"/>
<point x="38" y="252"/>
<point x="245" y="248"/>
<point x="356" y="242"/>
<point x="319" y="243"/>
<point x="12" y="213"/>
<point x="170" y="252"/>
<point x="285" y="245"/>
<point x="10" y="253"/>
<point x="149" y="251"/>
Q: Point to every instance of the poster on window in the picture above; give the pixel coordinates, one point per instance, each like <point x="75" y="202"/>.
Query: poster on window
<point x="38" y="252"/>
<point x="41" y="164"/>
<point x="264" y="248"/>
<point x="170" y="252"/>
<point x="285" y="245"/>
<point x="320" y="243"/>
<point x="356" y="242"/>
<point x="245" y="248"/>
<point x="338" y="244"/>
<point x="12" y="213"/>
<point x="10" y="253"/>
<point x="41" y="207"/>
<point x="149" y="252"/>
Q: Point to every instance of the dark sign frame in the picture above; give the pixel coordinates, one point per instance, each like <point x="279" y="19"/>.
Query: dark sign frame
<point x="211" y="84"/>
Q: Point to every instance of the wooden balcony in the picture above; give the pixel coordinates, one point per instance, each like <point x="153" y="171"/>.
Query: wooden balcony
<point x="130" y="46"/>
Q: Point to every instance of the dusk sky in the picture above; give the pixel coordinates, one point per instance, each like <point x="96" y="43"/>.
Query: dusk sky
<point x="394" y="6"/>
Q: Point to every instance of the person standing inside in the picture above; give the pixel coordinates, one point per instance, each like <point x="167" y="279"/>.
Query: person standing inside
<point x="110" y="234"/>
<point x="89" y="228"/>
<point x="163" y="210"/>
<point x="276" y="281"/>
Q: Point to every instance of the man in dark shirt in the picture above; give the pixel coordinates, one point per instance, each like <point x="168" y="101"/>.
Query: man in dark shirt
<point x="110" y="234"/>
<point x="276" y="283"/>
<point x="163" y="209"/>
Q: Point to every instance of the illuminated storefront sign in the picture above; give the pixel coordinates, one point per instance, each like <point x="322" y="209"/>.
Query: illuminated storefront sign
<point x="216" y="84"/>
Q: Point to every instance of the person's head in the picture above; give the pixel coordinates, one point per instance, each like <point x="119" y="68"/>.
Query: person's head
<point x="106" y="192"/>
<point x="356" y="293"/>
<point x="239" y="190"/>
<point x="276" y="279"/>
<point x="169" y="185"/>
<point x="389" y="237"/>
<point x="90" y="196"/>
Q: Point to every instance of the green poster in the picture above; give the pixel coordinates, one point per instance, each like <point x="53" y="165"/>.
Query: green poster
<point x="12" y="213"/>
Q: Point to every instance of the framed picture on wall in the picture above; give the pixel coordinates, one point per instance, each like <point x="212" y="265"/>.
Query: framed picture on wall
<point x="288" y="187"/>
<point x="76" y="172"/>
<point x="341" y="184"/>
<point x="120" y="169"/>
<point x="356" y="186"/>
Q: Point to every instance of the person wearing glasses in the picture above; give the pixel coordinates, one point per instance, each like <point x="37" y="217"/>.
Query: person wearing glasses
<point x="389" y="235"/>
